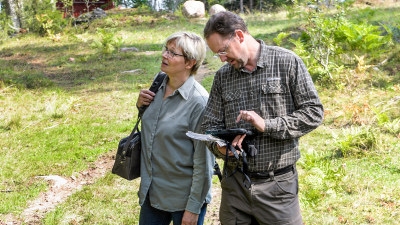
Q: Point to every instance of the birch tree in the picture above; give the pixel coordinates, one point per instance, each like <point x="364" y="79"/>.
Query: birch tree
<point x="14" y="13"/>
<point x="88" y="4"/>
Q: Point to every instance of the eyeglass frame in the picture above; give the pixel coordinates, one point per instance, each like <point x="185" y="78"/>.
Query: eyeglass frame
<point x="171" y="54"/>
<point x="225" y="51"/>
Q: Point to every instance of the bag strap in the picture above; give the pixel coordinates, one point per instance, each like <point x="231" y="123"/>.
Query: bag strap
<point x="243" y="169"/>
<point x="154" y="88"/>
<point x="125" y="149"/>
<point x="217" y="171"/>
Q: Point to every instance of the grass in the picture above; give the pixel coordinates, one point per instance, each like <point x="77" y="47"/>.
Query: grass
<point x="109" y="201"/>
<point x="64" y="104"/>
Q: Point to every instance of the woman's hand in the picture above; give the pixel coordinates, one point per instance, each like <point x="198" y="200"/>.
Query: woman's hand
<point x="189" y="218"/>
<point x="145" y="98"/>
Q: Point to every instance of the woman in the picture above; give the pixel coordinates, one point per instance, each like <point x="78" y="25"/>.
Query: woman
<point x="176" y="171"/>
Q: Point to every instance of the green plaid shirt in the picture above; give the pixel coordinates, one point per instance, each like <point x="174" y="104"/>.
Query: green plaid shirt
<point x="281" y="91"/>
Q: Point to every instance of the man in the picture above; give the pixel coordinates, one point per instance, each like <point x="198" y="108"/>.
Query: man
<point x="267" y="90"/>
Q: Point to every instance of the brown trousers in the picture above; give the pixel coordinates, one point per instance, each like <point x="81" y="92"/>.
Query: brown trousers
<point x="272" y="201"/>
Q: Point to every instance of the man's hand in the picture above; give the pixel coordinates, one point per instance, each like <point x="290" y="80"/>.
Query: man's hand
<point x="237" y="141"/>
<point x="253" y="118"/>
<point x="145" y="98"/>
<point x="189" y="218"/>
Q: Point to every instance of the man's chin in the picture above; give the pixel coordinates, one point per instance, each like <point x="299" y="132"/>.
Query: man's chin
<point x="236" y="65"/>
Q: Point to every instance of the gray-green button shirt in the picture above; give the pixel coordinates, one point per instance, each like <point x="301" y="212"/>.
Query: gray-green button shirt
<point x="176" y="170"/>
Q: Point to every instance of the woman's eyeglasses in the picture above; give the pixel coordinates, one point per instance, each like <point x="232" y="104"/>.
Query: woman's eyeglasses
<point x="170" y="54"/>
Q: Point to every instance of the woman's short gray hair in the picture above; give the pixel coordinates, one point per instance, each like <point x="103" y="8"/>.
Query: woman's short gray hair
<point x="192" y="45"/>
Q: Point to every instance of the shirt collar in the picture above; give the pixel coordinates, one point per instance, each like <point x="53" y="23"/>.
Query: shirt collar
<point x="261" y="62"/>
<point x="184" y="90"/>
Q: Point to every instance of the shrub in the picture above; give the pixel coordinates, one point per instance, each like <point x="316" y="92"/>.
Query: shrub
<point x="108" y="43"/>
<point x="330" y="42"/>
<point x="357" y="141"/>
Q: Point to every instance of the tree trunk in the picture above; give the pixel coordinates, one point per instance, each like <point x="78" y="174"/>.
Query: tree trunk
<point x="241" y="6"/>
<point x="13" y="11"/>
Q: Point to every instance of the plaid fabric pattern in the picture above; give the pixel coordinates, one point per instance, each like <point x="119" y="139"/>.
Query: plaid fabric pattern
<point x="281" y="91"/>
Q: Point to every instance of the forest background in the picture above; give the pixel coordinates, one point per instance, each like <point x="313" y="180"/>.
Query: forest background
<point x="68" y="93"/>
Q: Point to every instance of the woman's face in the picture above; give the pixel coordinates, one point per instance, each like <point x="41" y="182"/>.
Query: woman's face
<point x="173" y="61"/>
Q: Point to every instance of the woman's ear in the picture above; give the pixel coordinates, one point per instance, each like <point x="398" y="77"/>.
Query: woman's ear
<point x="190" y="63"/>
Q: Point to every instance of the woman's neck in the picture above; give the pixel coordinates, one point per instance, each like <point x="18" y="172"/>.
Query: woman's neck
<point x="176" y="82"/>
<point x="173" y="84"/>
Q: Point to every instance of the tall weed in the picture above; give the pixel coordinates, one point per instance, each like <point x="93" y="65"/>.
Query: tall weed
<point x="363" y="37"/>
<point x="388" y="116"/>
<point x="357" y="141"/>
<point x="107" y="43"/>
<point x="5" y="29"/>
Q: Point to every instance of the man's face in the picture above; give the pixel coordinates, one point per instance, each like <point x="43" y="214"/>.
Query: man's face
<point x="226" y="48"/>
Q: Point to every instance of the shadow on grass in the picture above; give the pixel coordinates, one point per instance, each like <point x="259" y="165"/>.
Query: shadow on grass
<point x="33" y="66"/>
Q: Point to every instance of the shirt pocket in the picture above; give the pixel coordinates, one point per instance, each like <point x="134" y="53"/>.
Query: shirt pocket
<point x="275" y="98"/>
<point x="233" y="104"/>
<point x="274" y="87"/>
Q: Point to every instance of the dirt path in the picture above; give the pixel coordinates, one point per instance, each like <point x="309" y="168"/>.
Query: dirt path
<point x="60" y="189"/>
<point x="202" y="73"/>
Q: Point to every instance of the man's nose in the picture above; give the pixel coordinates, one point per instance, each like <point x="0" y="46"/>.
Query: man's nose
<point x="223" y="58"/>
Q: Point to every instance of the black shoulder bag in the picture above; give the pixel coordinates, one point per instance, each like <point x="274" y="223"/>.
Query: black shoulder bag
<point x="127" y="160"/>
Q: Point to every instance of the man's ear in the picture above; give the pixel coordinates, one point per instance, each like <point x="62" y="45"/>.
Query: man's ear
<point x="240" y="35"/>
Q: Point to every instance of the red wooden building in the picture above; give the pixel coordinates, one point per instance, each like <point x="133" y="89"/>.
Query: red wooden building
<point x="81" y="6"/>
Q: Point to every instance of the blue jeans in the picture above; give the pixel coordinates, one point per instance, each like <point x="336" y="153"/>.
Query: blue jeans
<point x="152" y="216"/>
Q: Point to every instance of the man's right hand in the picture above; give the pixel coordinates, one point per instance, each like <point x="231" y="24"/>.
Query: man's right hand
<point x="236" y="142"/>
